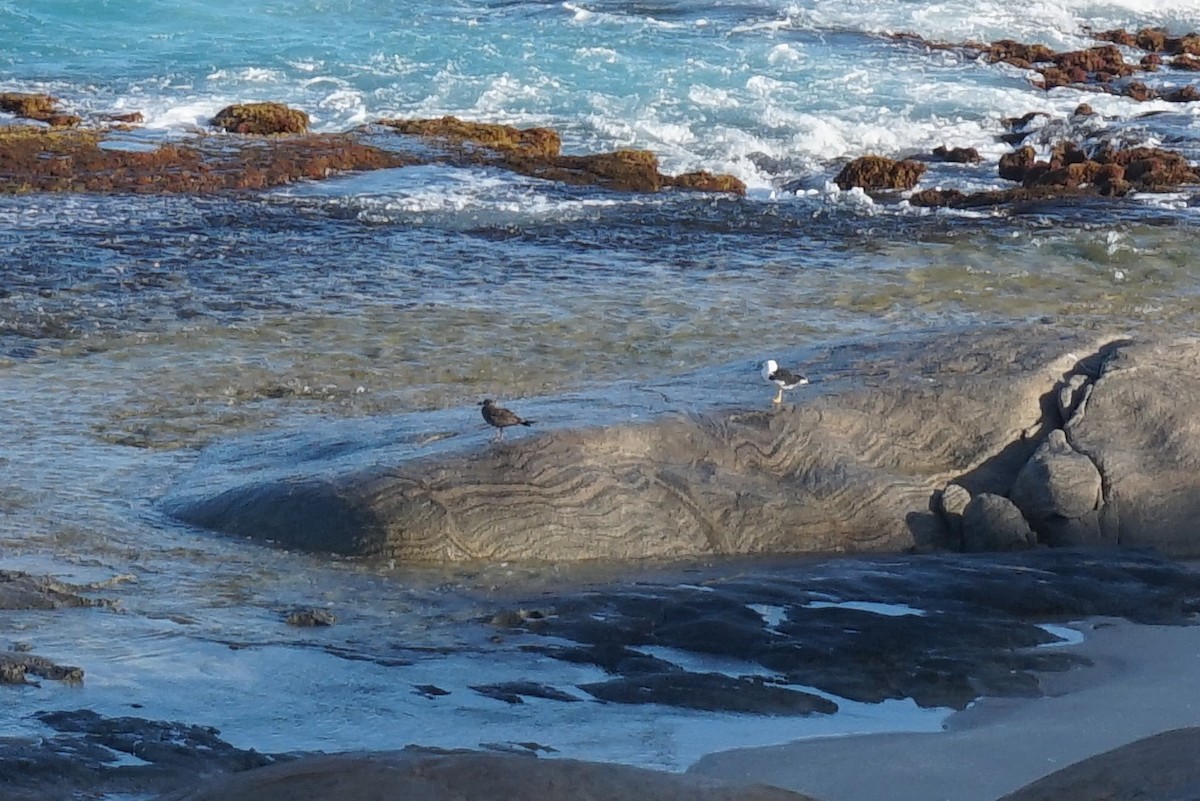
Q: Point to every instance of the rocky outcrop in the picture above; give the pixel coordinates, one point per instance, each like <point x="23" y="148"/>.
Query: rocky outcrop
<point x="994" y="523"/>
<point x="39" y="160"/>
<point x="851" y="466"/>
<point x="432" y="775"/>
<point x="43" y="108"/>
<point x="877" y="172"/>
<point x="535" y="142"/>
<point x="261" y="119"/>
<point x="536" y="152"/>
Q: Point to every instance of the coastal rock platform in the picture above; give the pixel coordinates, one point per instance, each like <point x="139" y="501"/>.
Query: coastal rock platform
<point x="1090" y="437"/>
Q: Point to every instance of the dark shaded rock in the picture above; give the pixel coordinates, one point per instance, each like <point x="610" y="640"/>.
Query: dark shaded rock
<point x="512" y="692"/>
<point x="993" y="523"/>
<point x="712" y="692"/>
<point x="974" y="632"/>
<point x="1057" y="481"/>
<point x="957" y="155"/>
<point x="1158" y="768"/>
<point x="261" y="119"/>
<point x="431" y="775"/>
<point x="89" y="756"/>
<point x="1014" y="166"/>
<point x="1186" y="61"/>
<point x="1083" y="110"/>
<point x="877" y="172"/>
<point x="952" y="502"/>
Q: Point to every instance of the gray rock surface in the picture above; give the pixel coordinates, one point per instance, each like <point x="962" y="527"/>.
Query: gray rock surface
<point x="994" y="523"/>
<point x="854" y="465"/>
<point x="1057" y="481"/>
<point x="1141" y="426"/>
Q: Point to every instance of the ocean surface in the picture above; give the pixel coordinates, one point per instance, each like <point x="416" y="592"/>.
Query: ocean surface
<point x="137" y="330"/>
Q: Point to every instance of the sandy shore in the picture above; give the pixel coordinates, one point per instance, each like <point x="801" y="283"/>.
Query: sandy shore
<point x="1143" y="682"/>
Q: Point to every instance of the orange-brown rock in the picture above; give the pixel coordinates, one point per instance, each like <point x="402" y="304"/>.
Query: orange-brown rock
<point x="539" y="142"/>
<point x="708" y="182"/>
<point x="1066" y="152"/>
<point x="261" y="119"/>
<point x="1014" y="166"/>
<point x="1017" y="53"/>
<point x="1139" y="91"/>
<point x="876" y="173"/>
<point x="43" y="108"/>
<point x="1151" y="62"/>
<point x="34" y="159"/>
<point x="957" y="155"/>
<point x="1186" y="61"/>
<point x="622" y="170"/>
<point x="1184" y="94"/>
<point x="131" y="118"/>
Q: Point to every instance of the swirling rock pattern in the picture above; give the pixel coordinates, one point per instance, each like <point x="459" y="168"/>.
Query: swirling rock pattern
<point x="854" y="466"/>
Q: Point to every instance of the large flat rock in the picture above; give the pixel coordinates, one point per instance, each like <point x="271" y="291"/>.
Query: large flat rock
<point x="853" y="463"/>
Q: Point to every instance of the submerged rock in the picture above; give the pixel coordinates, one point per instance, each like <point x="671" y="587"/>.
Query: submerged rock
<point x="261" y="119"/>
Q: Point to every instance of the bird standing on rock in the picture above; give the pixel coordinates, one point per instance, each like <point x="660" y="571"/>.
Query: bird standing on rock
<point x="781" y="377"/>
<point x="501" y="418"/>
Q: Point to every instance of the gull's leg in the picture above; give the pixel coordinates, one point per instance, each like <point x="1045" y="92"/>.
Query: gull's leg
<point x="778" y="396"/>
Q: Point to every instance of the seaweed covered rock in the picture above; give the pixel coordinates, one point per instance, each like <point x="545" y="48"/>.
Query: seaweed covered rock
<point x="878" y="172"/>
<point x="261" y="119"/>
<point x="43" y="160"/>
<point x="537" y="142"/>
<point x="40" y="107"/>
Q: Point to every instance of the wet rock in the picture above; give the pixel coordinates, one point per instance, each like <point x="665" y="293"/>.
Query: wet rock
<point x="1184" y="94"/>
<point x="1139" y="91"/>
<point x="957" y="155"/>
<point x="93" y="756"/>
<point x="877" y="172"/>
<point x="708" y="182"/>
<point x="1083" y="110"/>
<point x="17" y="667"/>
<point x="25" y="591"/>
<point x="515" y="692"/>
<point x="75" y="161"/>
<point x="43" y="108"/>
<point x="1057" y="481"/>
<point x="1016" y="165"/>
<point x="712" y="692"/>
<point x="261" y="119"/>
<point x="536" y="152"/>
<point x="848" y="627"/>
<point x="310" y="617"/>
<point x="1186" y="61"/>
<point x="128" y="118"/>
<point x="993" y="523"/>
<point x="432" y="775"/>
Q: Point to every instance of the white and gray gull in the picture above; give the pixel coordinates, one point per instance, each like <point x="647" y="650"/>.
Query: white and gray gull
<point x="781" y="377"/>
